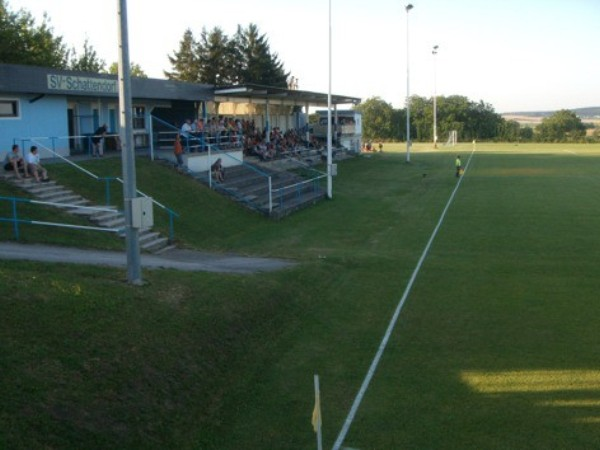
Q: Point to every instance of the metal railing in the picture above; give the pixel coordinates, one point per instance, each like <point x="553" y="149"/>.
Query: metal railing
<point x="107" y="180"/>
<point x="16" y="220"/>
<point x="197" y="141"/>
<point x="83" y="144"/>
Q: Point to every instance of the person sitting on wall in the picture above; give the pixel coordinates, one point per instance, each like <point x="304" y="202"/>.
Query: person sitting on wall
<point x="15" y="162"/>
<point x="34" y="167"/>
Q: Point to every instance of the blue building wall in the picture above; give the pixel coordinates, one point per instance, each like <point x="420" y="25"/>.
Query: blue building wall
<point x="43" y="118"/>
<point x="46" y="123"/>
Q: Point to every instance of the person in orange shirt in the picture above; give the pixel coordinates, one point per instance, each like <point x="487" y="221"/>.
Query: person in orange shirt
<point x="178" y="151"/>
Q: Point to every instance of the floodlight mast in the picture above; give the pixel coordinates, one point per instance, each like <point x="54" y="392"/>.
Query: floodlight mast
<point x="407" y="8"/>
<point x="329" y="138"/>
<point x="435" y="137"/>
<point x="134" y="270"/>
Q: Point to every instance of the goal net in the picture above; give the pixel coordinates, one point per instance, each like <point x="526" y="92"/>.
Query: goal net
<point x="452" y="139"/>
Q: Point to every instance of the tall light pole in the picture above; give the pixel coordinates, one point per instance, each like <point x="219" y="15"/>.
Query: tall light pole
<point x="434" y="52"/>
<point x="329" y="139"/>
<point x="134" y="270"/>
<point x="407" y="8"/>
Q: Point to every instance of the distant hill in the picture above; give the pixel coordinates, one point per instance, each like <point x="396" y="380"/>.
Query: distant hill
<point x="592" y="112"/>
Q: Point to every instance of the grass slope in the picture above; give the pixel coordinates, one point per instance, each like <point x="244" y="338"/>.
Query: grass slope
<point x="496" y="348"/>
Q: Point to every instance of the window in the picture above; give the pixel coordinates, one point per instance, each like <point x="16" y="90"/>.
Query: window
<point x="9" y="108"/>
<point x="139" y="118"/>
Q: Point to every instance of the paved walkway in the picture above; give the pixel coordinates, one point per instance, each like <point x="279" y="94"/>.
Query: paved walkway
<point x="187" y="260"/>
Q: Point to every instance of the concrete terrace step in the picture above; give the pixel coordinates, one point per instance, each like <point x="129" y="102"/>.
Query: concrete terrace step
<point x="43" y="195"/>
<point x="147" y="236"/>
<point x="261" y="190"/>
<point x="37" y="188"/>
<point x="115" y="222"/>
<point x="293" y="205"/>
<point x="101" y="215"/>
<point x="61" y="197"/>
<point x="250" y="188"/>
<point x="72" y="208"/>
<point x="154" y="244"/>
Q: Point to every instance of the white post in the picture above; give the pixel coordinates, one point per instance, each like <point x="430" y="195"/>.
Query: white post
<point x="209" y="168"/>
<point x="316" y="418"/>
<point x="307" y="125"/>
<point x="270" y="195"/>
<point x="408" y="8"/>
<point x="151" y="137"/>
<point x="434" y="52"/>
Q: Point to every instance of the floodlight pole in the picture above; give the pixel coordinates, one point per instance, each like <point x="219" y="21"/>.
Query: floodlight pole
<point x="407" y="8"/>
<point x="434" y="52"/>
<point x="134" y="272"/>
<point x="329" y="158"/>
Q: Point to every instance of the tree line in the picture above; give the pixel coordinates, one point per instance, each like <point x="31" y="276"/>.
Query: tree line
<point x="217" y="59"/>
<point x="471" y="120"/>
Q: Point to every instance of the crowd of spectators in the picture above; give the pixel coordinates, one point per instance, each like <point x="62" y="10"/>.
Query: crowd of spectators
<point x="197" y="135"/>
<point x="227" y="132"/>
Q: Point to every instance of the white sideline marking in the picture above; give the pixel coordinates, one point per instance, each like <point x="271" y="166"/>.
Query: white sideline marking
<point x="365" y="384"/>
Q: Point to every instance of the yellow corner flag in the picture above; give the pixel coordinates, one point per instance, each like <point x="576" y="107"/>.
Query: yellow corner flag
<point x="316" y="415"/>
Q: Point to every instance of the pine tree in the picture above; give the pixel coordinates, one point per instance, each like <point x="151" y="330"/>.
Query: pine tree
<point x="185" y="62"/>
<point x="215" y="59"/>
<point x="257" y="64"/>
<point x="88" y="61"/>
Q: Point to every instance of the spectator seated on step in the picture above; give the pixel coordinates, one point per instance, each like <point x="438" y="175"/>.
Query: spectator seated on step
<point x="218" y="173"/>
<point x="14" y="162"/>
<point x="34" y="167"/>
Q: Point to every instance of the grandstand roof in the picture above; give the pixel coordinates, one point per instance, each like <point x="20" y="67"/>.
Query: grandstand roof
<point x="44" y="80"/>
<point x="15" y="78"/>
<point x="249" y="93"/>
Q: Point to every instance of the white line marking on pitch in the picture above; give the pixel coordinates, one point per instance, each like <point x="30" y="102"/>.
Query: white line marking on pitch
<point x="365" y="384"/>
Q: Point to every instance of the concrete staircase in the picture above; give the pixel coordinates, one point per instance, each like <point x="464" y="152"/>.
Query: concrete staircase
<point x="245" y="185"/>
<point x="248" y="185"/>
<point x="67" y="200"/>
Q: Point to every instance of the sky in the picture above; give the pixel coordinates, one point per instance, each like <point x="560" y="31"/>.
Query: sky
<point x="517" y="55"/>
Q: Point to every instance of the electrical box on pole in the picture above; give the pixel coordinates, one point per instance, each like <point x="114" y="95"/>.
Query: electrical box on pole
<point x="142" y="215"/>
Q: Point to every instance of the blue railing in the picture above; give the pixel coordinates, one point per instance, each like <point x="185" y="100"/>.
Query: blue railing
<point x="16" y="220"/>
<point x="64" y="142"/>
<point x="107" y="180"/>
<point x="197" y="142"/>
